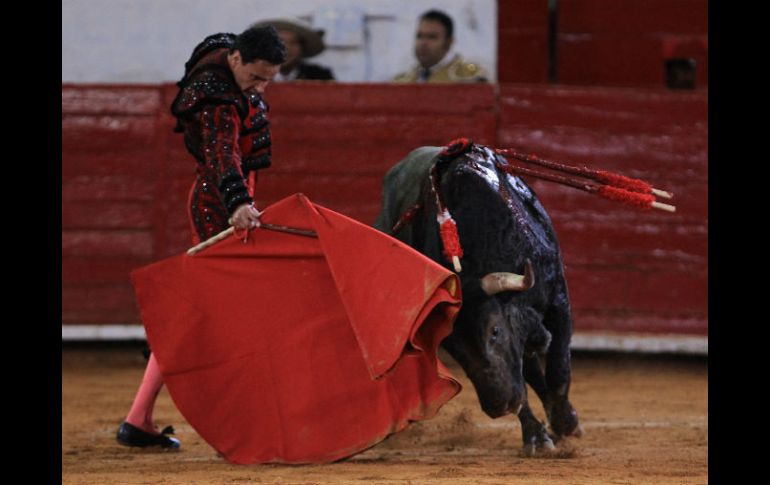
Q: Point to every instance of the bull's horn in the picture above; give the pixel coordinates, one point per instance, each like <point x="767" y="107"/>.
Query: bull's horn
<point x="494" y="283"/>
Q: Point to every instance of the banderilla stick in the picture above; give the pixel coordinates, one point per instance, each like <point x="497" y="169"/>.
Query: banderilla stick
<point x="635" y="199"/>
<point x="609" y="178"/>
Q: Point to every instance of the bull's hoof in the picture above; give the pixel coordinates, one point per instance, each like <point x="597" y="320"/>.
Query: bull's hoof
<point x="576" y="432"/>
<point x="563" y="420"/>
<point x="538" y="446"/>
<point x="537" y="443"/>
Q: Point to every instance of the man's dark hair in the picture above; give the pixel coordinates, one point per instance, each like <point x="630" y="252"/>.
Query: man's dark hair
<point x="440" y="16"/>
<point x="260" y="43"/>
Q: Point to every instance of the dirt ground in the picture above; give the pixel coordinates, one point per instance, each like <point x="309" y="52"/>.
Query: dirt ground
<point x="645" y="421"/>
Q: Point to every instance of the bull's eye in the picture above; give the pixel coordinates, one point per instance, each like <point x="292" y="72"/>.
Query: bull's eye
<point x="495" y="333"/>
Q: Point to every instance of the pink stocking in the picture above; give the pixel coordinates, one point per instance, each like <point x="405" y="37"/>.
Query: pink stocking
<point x="140" y="414"/>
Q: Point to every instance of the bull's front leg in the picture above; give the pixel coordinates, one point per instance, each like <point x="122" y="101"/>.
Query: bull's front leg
<point x="562" y="416"/>
<point x="533" y="433"/>
<point x="534" y="376"/>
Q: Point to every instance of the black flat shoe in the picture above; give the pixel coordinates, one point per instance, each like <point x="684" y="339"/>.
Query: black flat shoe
<point x="130" y="435"/>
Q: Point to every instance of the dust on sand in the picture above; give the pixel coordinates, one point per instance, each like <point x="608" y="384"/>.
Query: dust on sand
<point x="645" y="422"/>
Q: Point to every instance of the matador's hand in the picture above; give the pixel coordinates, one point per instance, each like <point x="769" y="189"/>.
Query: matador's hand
<point x="246" y="216"/>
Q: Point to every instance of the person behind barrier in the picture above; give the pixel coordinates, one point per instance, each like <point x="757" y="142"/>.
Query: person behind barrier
<point x="437" y="62"/>
<point x="302" y="42"/>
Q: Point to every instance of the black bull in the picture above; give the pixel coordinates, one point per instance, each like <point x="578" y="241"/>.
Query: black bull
<point x="499" y="338"/>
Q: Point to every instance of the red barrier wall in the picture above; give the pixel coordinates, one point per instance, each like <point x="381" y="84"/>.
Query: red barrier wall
<point x="522" y="41"/>
<point x="602" y="42"/>
<point x="125" y="178"/>
<point x="626" y="43"/>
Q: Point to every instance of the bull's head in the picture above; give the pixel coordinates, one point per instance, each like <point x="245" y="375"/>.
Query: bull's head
<point x="492" y="334"/>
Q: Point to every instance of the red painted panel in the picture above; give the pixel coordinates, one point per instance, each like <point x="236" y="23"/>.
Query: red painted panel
<point x="94" y="187"/>
<point x="112" y="133"/>
<point x="99" y="304"/>
<point x="115" y="100"/>
<point x="357" y="157"/>
<point x="522" y="41"/>
<point x="110" y="215"/>
<point x="178" y="162"/>
<point x="522" y="57"/>
<point x="522" y="14"/>
<point x="343" y="188"/>
<point x="81" y="271"/>
<point x="670" y="291"/>
<point x="587" y="285"/>
<point x="108" y="145"/>
<point x="107" y="244"/>
<point x="622" y="247"/>
<point x="379" y="99"/>
<point x="312" y="129"/>
<point x="616" y="59"/>
<point x="619" y="289"/>
<point x="605" y="109"/>
<point x="634" y="322"/>
<point x="606" y="42"/>
<point x="612" y="59"/>
<point x="634" y="16"/>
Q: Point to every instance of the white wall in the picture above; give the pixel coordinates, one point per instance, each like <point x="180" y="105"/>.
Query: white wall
<point x="148" y="41"/>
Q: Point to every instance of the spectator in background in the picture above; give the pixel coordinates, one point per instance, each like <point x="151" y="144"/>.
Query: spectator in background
<point x="437" y="61"/>
<point x="301" y="42"/>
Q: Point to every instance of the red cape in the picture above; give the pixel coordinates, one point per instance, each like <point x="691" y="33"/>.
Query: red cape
<point x="300" y="350"/>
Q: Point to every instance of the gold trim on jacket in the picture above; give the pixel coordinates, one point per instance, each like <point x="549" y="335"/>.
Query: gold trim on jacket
<point x="459" y="71"/>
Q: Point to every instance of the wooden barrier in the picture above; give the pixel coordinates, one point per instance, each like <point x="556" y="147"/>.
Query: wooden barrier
<point x="125" y="178"/>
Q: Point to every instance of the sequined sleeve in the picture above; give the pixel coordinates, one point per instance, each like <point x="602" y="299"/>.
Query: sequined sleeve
<point x="219" y="126"/>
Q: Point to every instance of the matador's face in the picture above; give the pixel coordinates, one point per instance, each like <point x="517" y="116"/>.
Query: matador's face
<point x="252" y="76"/>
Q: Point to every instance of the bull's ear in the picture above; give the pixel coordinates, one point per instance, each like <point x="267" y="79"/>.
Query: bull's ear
<point x="539" y="339"/>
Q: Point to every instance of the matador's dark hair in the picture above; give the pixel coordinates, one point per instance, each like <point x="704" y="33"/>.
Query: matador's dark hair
<point x="260" y="43"/>
<point x="440" y="16"/>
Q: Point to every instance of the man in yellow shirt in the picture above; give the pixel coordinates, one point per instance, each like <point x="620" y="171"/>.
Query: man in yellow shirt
<point x="437" y="62"/>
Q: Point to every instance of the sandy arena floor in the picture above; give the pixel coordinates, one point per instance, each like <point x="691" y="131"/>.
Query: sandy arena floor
<point x="645" y="421"/>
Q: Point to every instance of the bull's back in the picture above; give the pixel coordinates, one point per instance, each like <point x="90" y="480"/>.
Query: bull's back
<point x="402" y="186"/>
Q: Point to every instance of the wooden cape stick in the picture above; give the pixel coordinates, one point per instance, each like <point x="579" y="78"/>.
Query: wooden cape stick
<point x="231" y="230"/>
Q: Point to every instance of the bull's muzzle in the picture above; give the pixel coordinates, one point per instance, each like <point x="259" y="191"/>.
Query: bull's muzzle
<point x="494" y="283"/>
